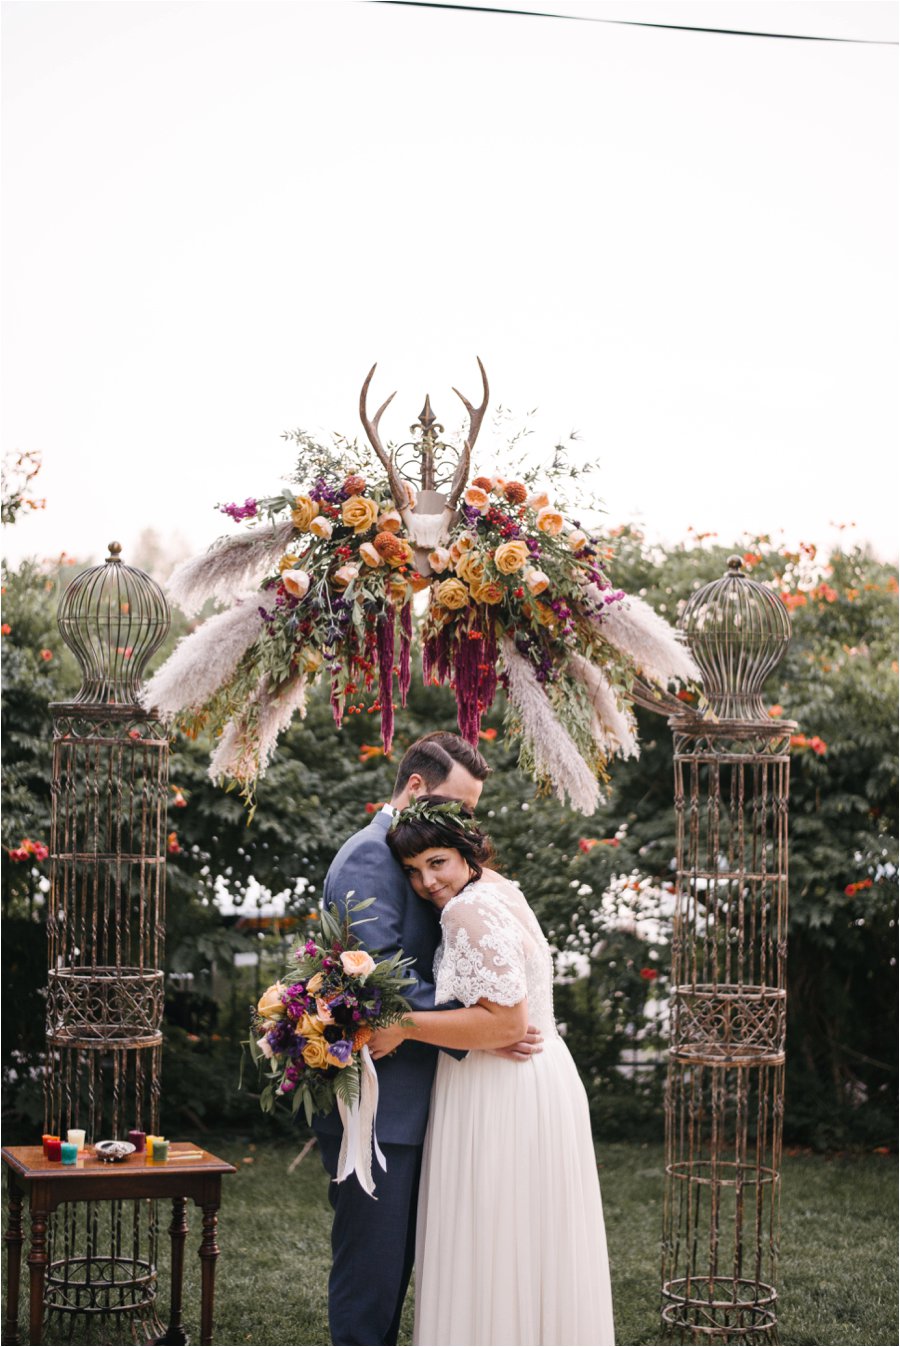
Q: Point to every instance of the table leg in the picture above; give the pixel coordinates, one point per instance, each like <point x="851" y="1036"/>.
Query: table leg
<point x="209" y="1252"/>
<point x="37" y="1263"/>
<point x="13" y="1239"/>
<point x="175" y="1334"/>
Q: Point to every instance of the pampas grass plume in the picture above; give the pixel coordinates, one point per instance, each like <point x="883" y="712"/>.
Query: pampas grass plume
<point x="202" y="662"/>
<point x="555" y="753"/>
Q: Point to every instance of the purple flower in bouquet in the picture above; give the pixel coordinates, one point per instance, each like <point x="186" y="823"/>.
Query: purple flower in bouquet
<point x="280" y="1036"/>
<point x="296" y="1001"/>
<point x="248" y="510"/>
<point x="290" y="1078"/>
<point x="342" y="1051"/>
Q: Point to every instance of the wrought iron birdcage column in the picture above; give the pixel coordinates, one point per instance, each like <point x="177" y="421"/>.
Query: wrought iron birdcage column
<point x="725" y="1087"/>
<point x="106" y="930"/>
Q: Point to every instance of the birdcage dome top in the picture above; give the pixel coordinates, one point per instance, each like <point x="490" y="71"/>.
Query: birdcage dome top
<point x="737" y="630"/>
<point x="112" y="617"/>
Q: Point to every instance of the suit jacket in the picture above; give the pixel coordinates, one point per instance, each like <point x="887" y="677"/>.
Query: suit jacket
<point x="365" y="867"/>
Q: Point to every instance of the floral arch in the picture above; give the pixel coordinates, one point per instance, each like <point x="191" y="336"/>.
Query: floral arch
<point x="493" y="580"/>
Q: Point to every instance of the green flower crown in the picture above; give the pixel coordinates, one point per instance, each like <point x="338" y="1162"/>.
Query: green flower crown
<point x="449" y="812"/>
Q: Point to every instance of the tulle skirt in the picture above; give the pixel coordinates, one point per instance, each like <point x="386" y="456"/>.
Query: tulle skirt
<point x="511" y="1248"/>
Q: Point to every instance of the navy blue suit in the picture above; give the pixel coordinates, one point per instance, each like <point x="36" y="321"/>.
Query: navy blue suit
<point x="373" y="1241"/>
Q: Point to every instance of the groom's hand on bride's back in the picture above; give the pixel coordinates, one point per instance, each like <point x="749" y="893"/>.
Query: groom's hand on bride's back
<point x="520" y="1052"/>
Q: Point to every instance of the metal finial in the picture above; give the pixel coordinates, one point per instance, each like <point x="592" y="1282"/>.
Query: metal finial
<point x="427" y="418"/>
<point x="735" y="564"/>
<point x="115" y="550"/>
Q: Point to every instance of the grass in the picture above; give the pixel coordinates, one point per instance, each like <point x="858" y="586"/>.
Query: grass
<point x="837" y="1279"/>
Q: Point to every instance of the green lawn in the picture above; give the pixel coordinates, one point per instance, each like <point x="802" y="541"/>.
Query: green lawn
<point x="837" y="1283"/>
<point x="838" y="1278"/>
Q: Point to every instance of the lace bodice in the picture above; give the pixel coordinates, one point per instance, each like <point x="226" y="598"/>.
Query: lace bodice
<point x="492" y="946"/>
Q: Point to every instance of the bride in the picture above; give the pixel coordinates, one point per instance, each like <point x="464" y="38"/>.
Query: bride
<point x="510" y="1247"/>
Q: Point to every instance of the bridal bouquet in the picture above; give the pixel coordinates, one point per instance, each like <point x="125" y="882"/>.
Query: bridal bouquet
<point x="309" y="1032"/>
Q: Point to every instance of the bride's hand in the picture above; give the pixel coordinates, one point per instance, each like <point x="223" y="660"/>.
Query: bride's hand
<point x="385" y="1041"/>
<point x="521" y="1052"/>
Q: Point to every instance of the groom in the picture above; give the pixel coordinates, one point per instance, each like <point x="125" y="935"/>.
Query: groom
<point x="373" y="1240"/>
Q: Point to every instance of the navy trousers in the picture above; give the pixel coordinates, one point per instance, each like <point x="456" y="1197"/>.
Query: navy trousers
<point x="373" y="1245"/>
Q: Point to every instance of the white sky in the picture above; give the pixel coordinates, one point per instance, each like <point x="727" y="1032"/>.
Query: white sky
<point x="218" y="215"/>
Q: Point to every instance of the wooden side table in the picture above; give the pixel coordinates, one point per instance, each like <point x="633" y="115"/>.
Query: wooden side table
<point x="47" y="1184"/>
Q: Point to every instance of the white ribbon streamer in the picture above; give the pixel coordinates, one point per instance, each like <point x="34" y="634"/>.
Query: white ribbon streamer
<point x="359" y="1139"/>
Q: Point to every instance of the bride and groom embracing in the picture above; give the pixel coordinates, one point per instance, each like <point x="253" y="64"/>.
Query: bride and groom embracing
<point x="491" y="1184"/>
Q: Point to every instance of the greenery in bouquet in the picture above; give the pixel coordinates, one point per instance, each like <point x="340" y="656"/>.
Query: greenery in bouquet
<point x="308" y="1032"/>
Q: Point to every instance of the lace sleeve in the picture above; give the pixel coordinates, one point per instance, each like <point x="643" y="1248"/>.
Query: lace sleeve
<point x="481" y="953"/>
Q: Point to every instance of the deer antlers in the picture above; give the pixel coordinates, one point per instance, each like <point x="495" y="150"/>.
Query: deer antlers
<point x="476" y="416"/>
<point x="398" y="490"/>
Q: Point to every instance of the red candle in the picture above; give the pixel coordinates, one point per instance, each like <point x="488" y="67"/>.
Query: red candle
<point x="137" y="1139"/>
<point x="53" y="1148"/>
<point x="46" y="1138"/>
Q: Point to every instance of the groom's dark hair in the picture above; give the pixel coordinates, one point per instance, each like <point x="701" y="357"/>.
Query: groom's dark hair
<point x="433" y="757"/>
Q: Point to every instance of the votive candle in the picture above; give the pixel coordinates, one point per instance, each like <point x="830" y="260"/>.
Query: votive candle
<point x="53" y="1151"/>
<point x="46" y="1139"/>
<point x="138" y="1140"/>
<point x="160" y="1149"/>
<point x="68" y="1152"/>
<point x="76" y="1136"/>
<point x="149" y="1143"/>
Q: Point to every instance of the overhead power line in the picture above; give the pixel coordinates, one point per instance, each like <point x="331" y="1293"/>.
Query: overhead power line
<point x="637" y="23"/>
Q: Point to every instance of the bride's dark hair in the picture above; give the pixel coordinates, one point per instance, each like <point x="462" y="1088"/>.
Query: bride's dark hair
<point x="428" y="822"/>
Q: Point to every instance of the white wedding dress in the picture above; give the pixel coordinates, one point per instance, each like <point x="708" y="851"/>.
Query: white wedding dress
<point x="510" y="1246"/>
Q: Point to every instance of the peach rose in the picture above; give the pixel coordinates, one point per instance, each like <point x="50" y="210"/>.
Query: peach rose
<point x="370" y="554"/>
<point x="315" y="1054"/>
<point x="269" y="1004"/>
<point x="359" y="513"/>
<point x="265" y="1047"/>
<point x="357" y="963"/>
<point x="321" y="526"/>
<point x="309" y="1027"/>
<point x="576" y="540"/>
<point x="323" y="1011"/>
<point x="466" y="541"/>
<point x="315" y="983"/>
<point x="515" y="493"/>
<point x="355" y="484"/>
<point x="545" y="614"/>
<point x="439" y="559"/>
<point x="477" y="498"/>
<point x="344" y="575"/>
<point x="304" y="512"/>
<point x="296" y="583"/>
<point x="537" y="581"/>
<point x="286" y="563"/>
<point x="389" y="522"/>
<point x="539" y="501"/>
<point x="452" y="594"/>
<point x="470" y="568"/>
<point x="511" y="557"/>
<point x="550" y="521"/>
<point x="489" y="592"/>
<point x="498" y="485"/>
